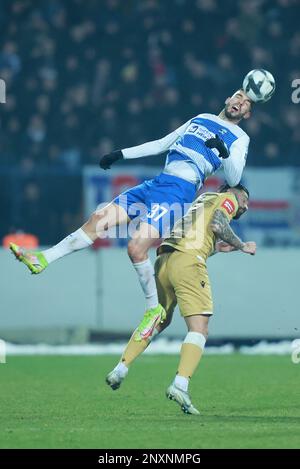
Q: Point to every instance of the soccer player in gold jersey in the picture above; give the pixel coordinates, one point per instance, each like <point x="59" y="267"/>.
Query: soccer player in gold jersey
<point x="181" y="278"/>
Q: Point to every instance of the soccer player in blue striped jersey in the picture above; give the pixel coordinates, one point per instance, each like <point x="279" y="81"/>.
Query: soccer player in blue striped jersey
<point x="196" y="150"/>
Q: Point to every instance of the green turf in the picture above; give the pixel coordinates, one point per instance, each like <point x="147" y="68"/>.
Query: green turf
<point x="62" y="402"/>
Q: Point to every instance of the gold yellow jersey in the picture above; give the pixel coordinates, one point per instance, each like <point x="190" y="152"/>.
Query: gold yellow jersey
<point x="192" y="233"/>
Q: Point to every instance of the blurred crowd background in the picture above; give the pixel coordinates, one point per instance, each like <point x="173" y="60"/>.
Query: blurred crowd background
<point x="85" y="77"/>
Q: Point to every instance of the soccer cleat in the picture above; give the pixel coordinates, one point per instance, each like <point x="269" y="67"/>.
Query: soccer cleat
<point x="151" y="319"/>
<point x="182" y="398"/>
<point x="35" y="260"/>
<point x="114" y="379"/>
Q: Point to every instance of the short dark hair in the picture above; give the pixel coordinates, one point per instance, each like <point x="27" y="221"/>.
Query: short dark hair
<point x="252" y="102"/>
<point x="240" y="187"/>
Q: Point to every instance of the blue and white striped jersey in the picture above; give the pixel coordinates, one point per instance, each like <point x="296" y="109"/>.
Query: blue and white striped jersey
<point x="188" y="156"/>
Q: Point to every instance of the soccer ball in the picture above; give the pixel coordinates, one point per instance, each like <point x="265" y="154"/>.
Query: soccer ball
<point x="259" y="85"/>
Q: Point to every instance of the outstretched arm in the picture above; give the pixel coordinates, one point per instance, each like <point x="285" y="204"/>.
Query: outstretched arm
<point x="221" y="228"/>
<point x="154" y="147"/>
<point x="235" y="163"/>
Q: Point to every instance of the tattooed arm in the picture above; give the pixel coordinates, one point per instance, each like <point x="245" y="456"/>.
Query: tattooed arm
<point x="221" y="228"/>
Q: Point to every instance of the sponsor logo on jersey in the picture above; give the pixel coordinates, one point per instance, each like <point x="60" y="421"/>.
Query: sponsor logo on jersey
<point x="228" y="205"/>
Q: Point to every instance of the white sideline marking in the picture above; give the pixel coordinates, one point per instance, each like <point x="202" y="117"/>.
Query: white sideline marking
<point x="160" y="346"/>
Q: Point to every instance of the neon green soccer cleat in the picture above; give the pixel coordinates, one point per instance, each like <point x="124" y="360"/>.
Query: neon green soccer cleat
<point x="151" y="319"/>
<point x="35" y="260"/>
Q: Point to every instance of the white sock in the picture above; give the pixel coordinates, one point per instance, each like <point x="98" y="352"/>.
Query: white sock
<point x="145" y="273"/>
<point x="74" y="242"/>
<point x="121" y="369"/>
<point x="181" y="382"/>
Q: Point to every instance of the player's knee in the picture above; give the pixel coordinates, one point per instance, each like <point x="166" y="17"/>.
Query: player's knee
<point x="203" y="330"/>
<point x="200" y="328"/>
<point x="136" y="252"/>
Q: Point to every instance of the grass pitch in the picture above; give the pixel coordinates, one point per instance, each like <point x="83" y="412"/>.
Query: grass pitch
<point x="63" y="402"/>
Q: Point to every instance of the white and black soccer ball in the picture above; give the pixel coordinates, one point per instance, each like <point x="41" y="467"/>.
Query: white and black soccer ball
<point x="259" y="85"/>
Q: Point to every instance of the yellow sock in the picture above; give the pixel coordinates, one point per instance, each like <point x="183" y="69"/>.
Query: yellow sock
<point x="190" y="354"/>
<point x="134" y="349"/>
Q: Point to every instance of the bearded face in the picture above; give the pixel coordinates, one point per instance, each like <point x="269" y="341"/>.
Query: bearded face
<point x="238" y="106"/>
